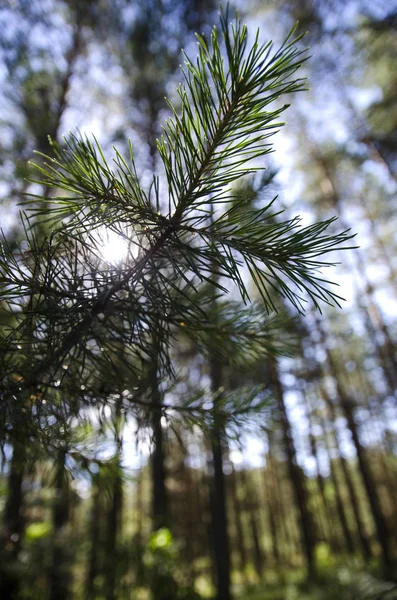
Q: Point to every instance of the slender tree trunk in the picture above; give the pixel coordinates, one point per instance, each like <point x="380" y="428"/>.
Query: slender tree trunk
<point x="271" y="515"/>
<point x="281" y="511"/>
<point x="365" y="544"/>
<point x="251" y="509"/>
<point x="361" y="529"/>
<point x="386" y="350"/>
<point x="191" y="552"/>
<point x="258" y="554"/>
<point x="113" y="520"/>
<point x="383" y="532"/>
<point x="95" y="527"/>
<point x="377" y="332"/>
<point x="71" y="59"/>
<point x="159" y="490"/>
<point x="296" y="476"/>
<point x="338" y="498"/>
<point x="238" y="514"/>
<point x="60" y="576"/>
<point x="364" y="541"/>
<point x="219" y="530"/>
<point x="327" y="512"/>
<point x="139" y="536"/>
<point x="13" y="525"/>
<point x="375" y="150"/>
<point x="389" y="486"/>
<point x="112" y="532"/>
<point x="374" y="319"/>
<point x="354" y="502"/>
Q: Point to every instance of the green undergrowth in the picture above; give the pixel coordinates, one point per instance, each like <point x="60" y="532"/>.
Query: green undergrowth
<point x="343" y="584"/>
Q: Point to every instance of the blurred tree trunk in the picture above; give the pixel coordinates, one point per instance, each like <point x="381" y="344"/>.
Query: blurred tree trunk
<point x="354" y="502"/>
<point x="340" y="505"/>
<point x="13" y="524"/>
<point x="138" y="539"/>
<point x="296" y="476"/>
<point x="94" y="569"/>
<point x="191" y="545"/>
<point x="114" y="513"/>
<point x="284" y="517"/>
<point x="60" y="576"/>
<point x="218" y="505"/>
<point x="383" y="533"/>
<point x="374" y="319"/>
<point x="159" y="491"/>
<point x="375" y="150"/>
<point x="251" y="508"/>
<point x="327" y="513"/>
<point x="238" y="520"/>
<point x="346" y="403"/>
<point x="271" y="502"/>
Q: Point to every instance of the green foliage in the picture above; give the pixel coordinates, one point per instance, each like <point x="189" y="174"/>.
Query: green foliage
<point x="161" y="540"/>
<point x="38" y="531"/>
<point x="339" y="583"/>
<point x="162" y="563"/>
<point x="73" y="311"/>
<point x="325" y="560"/>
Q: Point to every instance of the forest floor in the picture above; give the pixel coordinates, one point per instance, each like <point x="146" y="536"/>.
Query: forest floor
<point x="341" y="585"/>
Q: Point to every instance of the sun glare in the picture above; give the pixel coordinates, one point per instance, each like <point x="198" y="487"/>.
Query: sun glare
<point x="116" y="248"/>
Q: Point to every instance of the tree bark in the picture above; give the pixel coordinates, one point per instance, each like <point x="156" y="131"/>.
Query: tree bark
<point x="60" y="576"/>
<point x="219" y="520"/>
<point x="240" y="540"/>
<point x="251" y="508"/>
<point x="13" y="525"/>
<point x="112" y="533"/>
<point x="95" y="528"/>
<point x="306" y="523"/>
<point x="159" y="490"/>
<point x="271" y="515"/>
<point x="338" y="498"/>
<point x="364" y="541"/>
<point x="113" y="521"/>
<point x="383" y="532"/>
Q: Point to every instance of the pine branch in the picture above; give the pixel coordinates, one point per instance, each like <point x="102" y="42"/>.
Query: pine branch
<point x="224" y="121"/>
<point x="217" y="137"/>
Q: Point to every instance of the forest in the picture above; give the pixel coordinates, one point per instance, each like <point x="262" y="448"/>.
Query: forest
<point x="198" y="300"/>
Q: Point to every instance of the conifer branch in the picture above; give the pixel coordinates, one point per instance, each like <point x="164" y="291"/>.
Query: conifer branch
<point x="219" y="135"/>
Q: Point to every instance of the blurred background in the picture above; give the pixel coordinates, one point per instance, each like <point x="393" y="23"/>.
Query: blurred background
<point x="311" y="488"/>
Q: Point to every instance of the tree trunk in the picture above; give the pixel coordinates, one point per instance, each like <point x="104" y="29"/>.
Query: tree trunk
<point x="271" y="515"/>
<point x="240" y="541"/>
<point x="364" y="541"/>
<point x="159" y="490"/>
<point x="138" y="540"/>
<point x="306" y="523"/>
<point x="60" y="576"/>
<point x="383" y="533"/>
<point x="219" y="531"/>
<point x="281" y="511"/>
<point x="338" y="498"/>
<point x="373" y="317"/>
<point x="113" y="530"/>
<point x="95" y="528"/>
<point x="113" y="521"/>
<point x="327" y="509"/>
<point x="13" y="525"/>
<point x="251" y="509"/>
